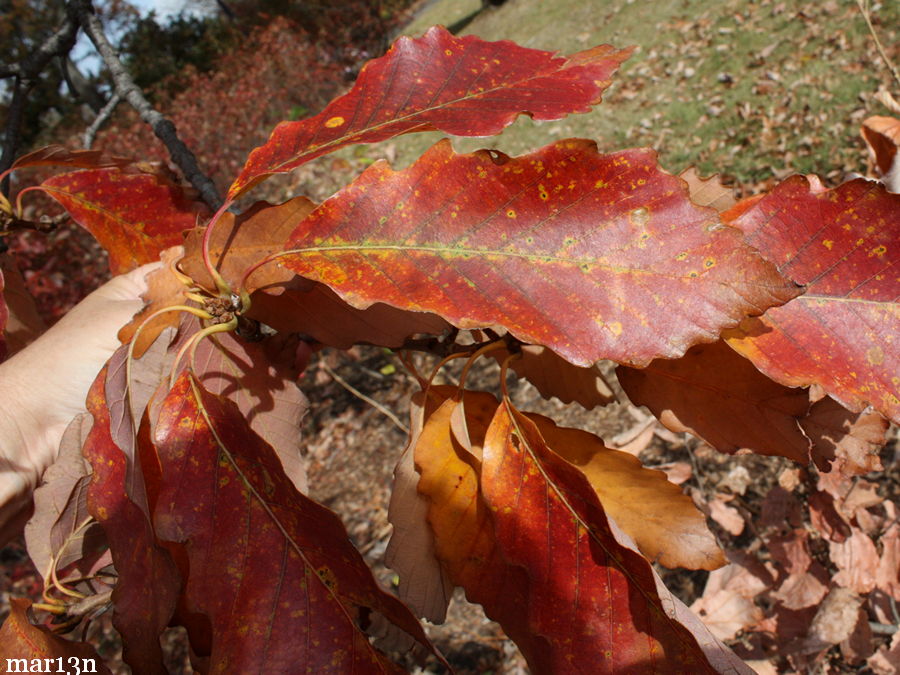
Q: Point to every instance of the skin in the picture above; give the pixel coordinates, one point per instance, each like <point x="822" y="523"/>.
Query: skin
<point x="44" y="386"/>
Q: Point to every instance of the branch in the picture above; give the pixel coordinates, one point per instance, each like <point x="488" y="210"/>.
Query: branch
<point x="102" y="116"/>
<point x="867" y="15"/>
<point x="27" y="73"/>
<point x="129" y="91"/>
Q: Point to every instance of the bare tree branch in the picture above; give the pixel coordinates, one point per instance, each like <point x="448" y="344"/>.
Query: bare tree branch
<point x="129" y="91"/>
<point x="27" y="73"/>
<point x="102" y="116"/>
<point x="11" y="70"/>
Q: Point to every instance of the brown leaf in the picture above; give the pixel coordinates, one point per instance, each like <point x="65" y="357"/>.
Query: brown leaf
<point x="60" y="506"/>
<point x="23" y="324"/>
<point x="708" y="191"/>
<point x="801" y="588"/>
<point x="164" y="289"/>
<point x="719" y="396"/>
<point x="57" y="155"/>
<point x="725" y="606"/>
<point x="240" y="241"/>
<point x="857" y="562"/>
<point x="837" y="617"/>
<point x="553" y="376"/>
<point x="424" y="584"/>
<point x="887" y="576"/>
<point x="662" y="520"/>
<point x="318" y="312"/>
<point x="20" y="639"/>
<point x="837" y="432"/>
<point x="726" y="516"/>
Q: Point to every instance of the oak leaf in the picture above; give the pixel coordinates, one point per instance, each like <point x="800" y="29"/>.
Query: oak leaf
<point x="311" y="590"/>
<point x="20" y="639"/>
<point x="719" y="396"/>
<point x="134" y="216"/>
<point x="842" y="332"/>
<point x="459" y="85"/>
<point x="836" y="432"/>
<point x="543" y="245"/>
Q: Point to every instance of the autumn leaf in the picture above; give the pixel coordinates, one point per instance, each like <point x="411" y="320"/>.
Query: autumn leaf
<point x="719" y="396"/>
<point x="555" y="377"/>
<point x="57" y="529"/>
<point x="583" y="586"/>
<point x="148" y="582"/>
<point x="708" y="191"/>
<point x="459" y="85"/>
<point x="238" y="242"/>
<point x="134" y="216"/>
<point x="842" y="332"/>
<point x="57" y="155"/>
<point x="20" y="323"/>
<point x="661" y="519"/>
<point x="424" y="584"/>
<point x="544" y="245"/>
<point x="855" y="438"/>
<point x="311" y="591"/>
<point x="22" y="640"/>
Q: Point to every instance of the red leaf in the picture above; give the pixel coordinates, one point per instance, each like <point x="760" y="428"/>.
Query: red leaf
<point x="134" y="216"/>
<point x="586" y="594"/>
<point x="459" y="85"/>
<point x="21" y="640"/>
<point x="147" y="587"/>
<point x="595" y="256"/>
<point x="226" y="502"/>
<point x="57" y="155"/>
<point x="842" y="332"/>
<point x="719" y="396"/>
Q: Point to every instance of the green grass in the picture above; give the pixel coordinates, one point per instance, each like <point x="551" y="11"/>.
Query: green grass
<point x="747" y="117"/>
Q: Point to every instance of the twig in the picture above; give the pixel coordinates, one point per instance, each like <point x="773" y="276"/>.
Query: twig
<point x="27" y="73"/>
<point x="372" y="402"/>
<point x="101" y="118"/>
<point x="867" y="15"/>
<point x="129" y="91"/>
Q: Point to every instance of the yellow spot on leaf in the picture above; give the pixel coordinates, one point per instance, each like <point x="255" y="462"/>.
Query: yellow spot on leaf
<point x="335" y="122"/>
<point x="510" y="213"/>
<point x="875" y="355"/>
<point x="828" y="243"/>
<point x="681" y="256"/>
<point x="879" y="250"/>
<point x="709" y="262"/>
<point x="448" y="52"/>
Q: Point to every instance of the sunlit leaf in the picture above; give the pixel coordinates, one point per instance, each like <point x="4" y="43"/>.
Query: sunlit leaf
<point x="843" y="333"/>
<point x="459" y="85"/>
<point x="719" y="396"/>
<point x="595" y="256"/>
<point x="20" y="639"/>
<point x="226" y="503"/>
<point x="661" y="519"/>
<point x="134" y="216"/>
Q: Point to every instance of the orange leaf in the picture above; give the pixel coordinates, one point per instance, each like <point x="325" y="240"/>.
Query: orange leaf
<point x="661" y="519"/>
<point x="842" y="332"/>
<point x="544" y="245"/>
<point x="134" y="216"/>
<point x="719" y="396"/>
<point x="459" y="85"/>
<point x="26" y="648"/>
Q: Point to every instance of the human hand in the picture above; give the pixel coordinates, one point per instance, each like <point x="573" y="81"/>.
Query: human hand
<point x="44" y="386"/>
